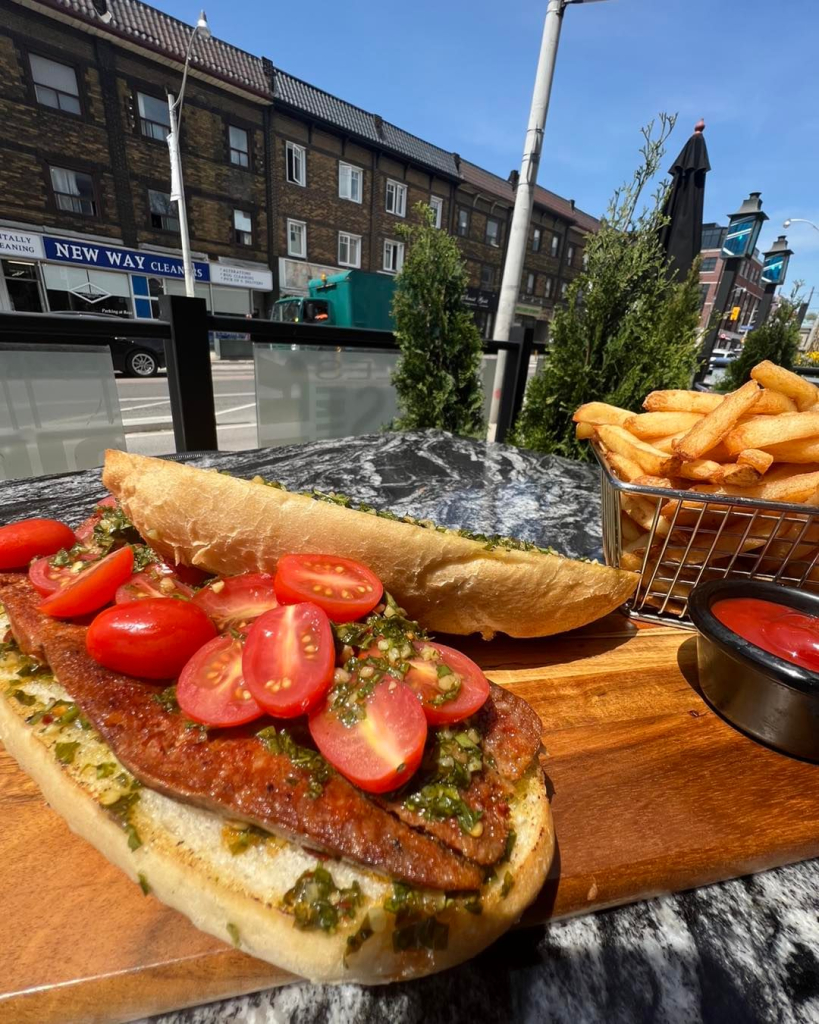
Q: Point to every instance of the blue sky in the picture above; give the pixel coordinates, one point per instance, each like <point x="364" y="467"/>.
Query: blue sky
<point x="459" y="73"/>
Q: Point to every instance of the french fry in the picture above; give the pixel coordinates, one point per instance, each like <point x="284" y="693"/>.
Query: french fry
<point x="774" y="402"/>
<point x="583" y="431"/>
<point x="710" y="430"/>
<point x="778" y="378"/>
<point x="760" y="461"/>
<point x="619" y="440"/>
<point x="697" y="469"/>
<point x="625" y="468"/>
<point x="719" y="453"/>
<point x="653" y="481"/>
<point x="772" y="430"/>
<point x="793" y="488"/>
<point x="649" y="425"/>
<point x="630" y="561"/>
<point x="664" y="444"/>
<point x="682" y="401"/>
<point x="804" y="450"/>
<point x="629" y="530"/>
<point x="601" y="412"/>
<point x="732" y="473"/>
<point x="642" y="511"/>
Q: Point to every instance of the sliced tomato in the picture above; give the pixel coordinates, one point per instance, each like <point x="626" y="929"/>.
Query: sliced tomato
<point x="189" y="574"/>
<point x="211" y="688"/>
<point x="235" y="601"/>
<point x="381" y="749"/>
<point x="31" y="538"/>
<point x="289" y="659"/>
<point x="157" y="580"/>
<point x="85" y="530"/>
<point x="151" y="639"/>
<point x="345" y="589"/>
<point x="46" y="578"/>
<point x="450" y="685"/>
<point x="93" y="587"/>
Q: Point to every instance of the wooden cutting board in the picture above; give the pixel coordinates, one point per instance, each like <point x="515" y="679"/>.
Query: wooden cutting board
<point x="651" y="793"/>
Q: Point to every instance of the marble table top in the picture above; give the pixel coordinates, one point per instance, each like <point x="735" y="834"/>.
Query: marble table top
<point x="746" y="950"/>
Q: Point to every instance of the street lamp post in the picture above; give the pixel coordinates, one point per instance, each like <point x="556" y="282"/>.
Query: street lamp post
<point x="739" y="242"/>
<point x="813" y="337"/>
<point x="773" y="274"/>
<point x="525" y="193"/>
<point x="177" y="186"/>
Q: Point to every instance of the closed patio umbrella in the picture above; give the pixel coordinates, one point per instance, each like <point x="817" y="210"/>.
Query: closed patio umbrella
<point x="682" y="235"/>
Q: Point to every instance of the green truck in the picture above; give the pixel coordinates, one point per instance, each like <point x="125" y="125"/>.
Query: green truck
<point x="352" y="298"/>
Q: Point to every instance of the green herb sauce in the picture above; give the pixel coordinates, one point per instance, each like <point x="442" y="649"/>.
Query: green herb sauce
<point x="357" y="939"/>
<point x="65" y="751"/>
<point x="316" y="902"/>
<point x="281" y="742"/>
<point x="24" y="698"/>
<point x="233" y="932"/>
<point x="143" y="884"/>
<point x="449" y="764"/>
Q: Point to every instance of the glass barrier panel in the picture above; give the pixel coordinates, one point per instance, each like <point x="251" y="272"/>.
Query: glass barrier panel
<point x="306" y="393"/>
<point x="59" y="409"/>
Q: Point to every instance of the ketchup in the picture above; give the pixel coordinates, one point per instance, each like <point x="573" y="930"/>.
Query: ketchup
<point x="776" y="628"/>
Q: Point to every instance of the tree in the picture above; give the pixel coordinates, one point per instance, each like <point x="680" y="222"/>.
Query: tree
<point x="627" y="329"/>
<point x="437" y="378"/>
<point x="777" y="339"/>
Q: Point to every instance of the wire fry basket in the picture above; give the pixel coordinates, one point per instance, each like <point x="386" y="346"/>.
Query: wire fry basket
<point x="676" y="539"/>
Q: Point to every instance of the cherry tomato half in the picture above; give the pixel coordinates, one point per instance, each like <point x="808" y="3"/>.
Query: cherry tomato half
<point x="235" y="601"/>
<point x="211" y="688"/>
<point x="344" y="589"/>
<point x="438" y="674"/>
<point x="46" y="578"/>
<point x="85" y="530"/>
<point x="91" y="588"/>
<point x="157" y="580"/>
<point x="151" y="639"/>
<point x="289" y="659"/>
<point x="30" y="538"/>
<point x="383" y="749"/>
<point x="189" y="574"/>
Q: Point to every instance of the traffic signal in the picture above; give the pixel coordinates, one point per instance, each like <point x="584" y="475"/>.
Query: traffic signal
<point x="734" y="313"/>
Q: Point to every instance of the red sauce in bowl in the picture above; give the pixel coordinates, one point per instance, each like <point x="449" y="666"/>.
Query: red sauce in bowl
<point x="776" y="628"/>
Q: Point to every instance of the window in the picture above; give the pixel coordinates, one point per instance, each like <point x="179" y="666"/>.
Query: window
<point x="396" y="198"/>
<point x="536" y="240"/>
<point x="563" y="288"/>
<point x="242" y="228"/>
<point x="704" y="289"/>
<point x="296" y="164"/>
<point x="487" y="277"/>
<point x="463" y="222"/>
<point x="555" y="245"/>
<point x="55" y="85"/>
<point x="585" y="260"/>
<point x="530" y="283"/>
<point x="709" y="263"/>
<point x="548" y="286"/>
<point x="437" y="205"/>
<point x="154" y="117"/>
<point x="239" y="146"/>
<point x="164" y="215"/>
<point x="393" y="256"/>
<point x="350" y="182"/>
<point x="712" y="236"/>
<point x="349" y="249"/>
<point x="296" y="238"/>
<point x="492" y="232"/>
<point x="22" y="286"/>
<point x="74" y="191"/>
<point x="570" y="255"/>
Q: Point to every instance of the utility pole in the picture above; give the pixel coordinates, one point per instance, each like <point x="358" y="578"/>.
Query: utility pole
<point x="525" y="194"/>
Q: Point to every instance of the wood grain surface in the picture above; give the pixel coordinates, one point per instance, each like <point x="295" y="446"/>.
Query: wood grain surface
<point x="651" y="793"/>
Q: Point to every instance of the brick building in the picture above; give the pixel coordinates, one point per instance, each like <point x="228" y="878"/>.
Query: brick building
<point x="747" y="294"/>
<point x="283" y="181"/>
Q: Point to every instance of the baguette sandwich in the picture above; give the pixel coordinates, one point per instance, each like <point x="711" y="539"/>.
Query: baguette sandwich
<point x="448" y="580"/>
<point x="290" y="760"/>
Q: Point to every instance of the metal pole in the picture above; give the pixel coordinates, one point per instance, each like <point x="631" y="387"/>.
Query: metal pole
<point x="525" y="195"/>
<point x="178" y="195"/>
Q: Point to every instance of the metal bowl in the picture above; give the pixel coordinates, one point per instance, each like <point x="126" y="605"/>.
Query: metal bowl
<point x="771" y="699"/>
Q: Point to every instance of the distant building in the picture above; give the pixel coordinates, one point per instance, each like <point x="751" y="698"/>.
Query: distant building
<point x="283" y="181"/>
<point x="746" y="296"/>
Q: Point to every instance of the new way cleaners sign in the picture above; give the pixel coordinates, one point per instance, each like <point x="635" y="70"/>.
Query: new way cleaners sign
<point x="88" y="254"/>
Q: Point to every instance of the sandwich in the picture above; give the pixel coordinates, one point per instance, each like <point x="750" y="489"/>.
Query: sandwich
<point x="256" y="725"/>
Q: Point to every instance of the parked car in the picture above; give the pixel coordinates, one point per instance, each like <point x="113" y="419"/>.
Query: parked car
<point x="134" y="357"/>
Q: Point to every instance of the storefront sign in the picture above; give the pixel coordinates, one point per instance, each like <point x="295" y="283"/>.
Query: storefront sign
<point x="20" y="243"/>
<point x="476" y="298"/>
<point x="523" y="310"/>
<point x="241" y="277"/>
<point x="89" y="254"/>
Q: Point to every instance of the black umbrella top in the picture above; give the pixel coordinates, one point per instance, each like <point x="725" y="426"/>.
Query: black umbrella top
<point x="682" y="234"/>
<point x="694" y="154"/>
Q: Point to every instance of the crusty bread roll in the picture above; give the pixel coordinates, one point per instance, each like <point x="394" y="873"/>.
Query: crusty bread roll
<point x="185" y="858"/>
<point x="450" y="583"/>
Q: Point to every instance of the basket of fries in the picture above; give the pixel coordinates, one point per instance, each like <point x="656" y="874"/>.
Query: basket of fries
<point x="704" y="486"/>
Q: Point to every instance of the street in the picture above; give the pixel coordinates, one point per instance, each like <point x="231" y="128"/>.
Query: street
<point x="146" y="410"/>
